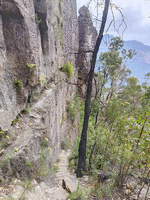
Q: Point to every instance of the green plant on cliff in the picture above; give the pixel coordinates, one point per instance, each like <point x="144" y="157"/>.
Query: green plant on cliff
<point x="18" y="83"/>
<point x="31" y="68"/>
<point x="68" y="69"/>
<point x="16" y="120"/>
<point x="58" y="31"/>
<point x="7" y="159"/>
<point x="63" y="120"/>
<point x="42" y="79"/>
<point x="27" y="109"/>
<point x="37" y="19"/>
<point x="4" y="139"/>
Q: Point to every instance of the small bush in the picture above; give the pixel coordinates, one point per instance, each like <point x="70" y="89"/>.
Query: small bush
<point x="76" y="195"/>
<point x="42" y="80"/>
<point x="68" y="69"/>
<point x="71" y="111"/>
<point x="65" y="145"/>
<point x="72" y="165"/>
<point x="16" y="120"/>
<point x="30" y="66"/>
<point x="18" y="83"/>
<point x="37" y="19"/>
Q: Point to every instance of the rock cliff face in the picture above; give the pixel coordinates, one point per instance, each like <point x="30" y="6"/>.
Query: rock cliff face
<point x="44" y="33"/>
<point x="36" y="38"/>
<point x="87" y="41"/>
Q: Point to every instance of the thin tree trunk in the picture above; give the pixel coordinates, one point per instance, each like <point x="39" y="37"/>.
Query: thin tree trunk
<point x="82" y="145"/>
<point x="92" y="151"/>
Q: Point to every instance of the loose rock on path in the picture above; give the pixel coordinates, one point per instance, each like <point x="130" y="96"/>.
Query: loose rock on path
<point x="64" y="184"/>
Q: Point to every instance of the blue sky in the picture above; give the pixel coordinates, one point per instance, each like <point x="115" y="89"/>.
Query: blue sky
<point x="137" y="13"/>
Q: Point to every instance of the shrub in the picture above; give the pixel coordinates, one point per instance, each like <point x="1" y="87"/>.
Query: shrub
<point x="30" y="66"/>
<point x="68" y="69"/>
<point x="16" y="120"/>
<point x="77" y="194"/>
<point x="37" y="19"/>
<point x="71" y="111"/>
<point x="72" y="165"/>
<point x="18" y="83"/>
<point x="65" y="145"/>
<point x="42" y="80"/>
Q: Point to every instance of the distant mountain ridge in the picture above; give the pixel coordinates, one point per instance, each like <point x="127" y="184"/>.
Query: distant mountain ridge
<point x="140" y="64"/>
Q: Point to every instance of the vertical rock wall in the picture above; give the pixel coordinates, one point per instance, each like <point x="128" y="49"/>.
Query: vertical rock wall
<point x="87" y="41"/>
<point x="36" y="39"/>
<point x="44" y="33"/>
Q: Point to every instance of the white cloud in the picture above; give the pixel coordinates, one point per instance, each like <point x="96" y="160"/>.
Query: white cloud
<point x="137" y="13"/>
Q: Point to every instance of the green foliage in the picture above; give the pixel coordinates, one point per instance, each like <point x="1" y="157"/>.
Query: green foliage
<point x="16" y="120"/>
<point x="2" y="133"/>
<point x="28" y="163"/>
<point x="31" y="69"/>
<point x="7" y="160"/>
<point x="116" y="44"/>
<point x="4" y="138"/>
<point x="18" y="83"/>
<point x="118" y="130"/>
<point x="9" y="197"/>
<point x="72" y="164"/>
<point x="30" y="66"/>
<point x="38" y="21"/>
<point x="71" y="111"/>
<point x="68" y="69"/>
<point x="27" y="109"/>
<point x="112" y="61"/>
<point x="27" y="185"/>
<point x="42" y="80"/>
<point x="55" y="168"/>
<point x="73" y="108"/>
<point x="63" y="119"/>
<point x="78" y="194"/>
<point x="58" y="31"/>
<point x="65" y="144"/>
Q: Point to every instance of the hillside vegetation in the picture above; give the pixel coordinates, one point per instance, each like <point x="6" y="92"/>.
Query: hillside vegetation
<point x="118" y="144"/>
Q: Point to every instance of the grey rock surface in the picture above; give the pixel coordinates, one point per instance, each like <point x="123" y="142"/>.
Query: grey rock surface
<point x="40" y="191"/>
<point x="41" y="128"/>
<point x="36" y="39"/>
<point x="44" y="33"/>
<point x="87" y="41"/>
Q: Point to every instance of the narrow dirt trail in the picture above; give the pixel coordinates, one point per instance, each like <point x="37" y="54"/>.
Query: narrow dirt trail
<point x="63" y="175"/>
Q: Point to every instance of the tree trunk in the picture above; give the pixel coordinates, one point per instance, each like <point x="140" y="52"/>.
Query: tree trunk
<point x="82" y="145"/>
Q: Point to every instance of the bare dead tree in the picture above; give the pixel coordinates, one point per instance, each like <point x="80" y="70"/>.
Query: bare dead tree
<point x="83" y="141"/>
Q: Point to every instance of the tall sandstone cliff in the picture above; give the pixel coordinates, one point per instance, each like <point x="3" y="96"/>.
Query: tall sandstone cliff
<point x="23" y="40"/>
<point x="36" y="38"/>
<point x="87" y="41"/>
